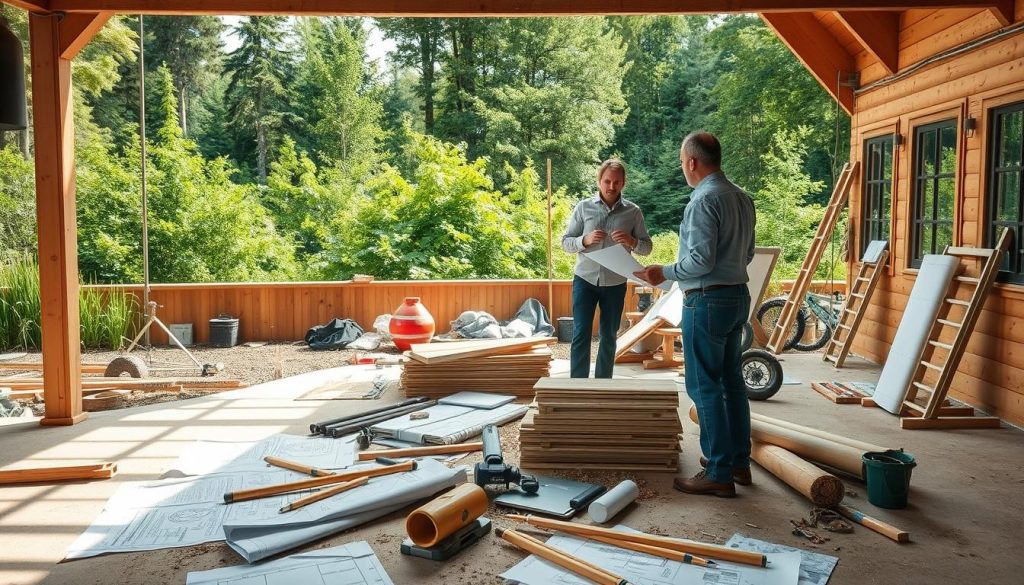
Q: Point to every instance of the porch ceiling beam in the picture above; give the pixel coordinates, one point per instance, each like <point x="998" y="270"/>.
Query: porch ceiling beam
<point x="495" y="7"/>
<point x="878" y="32"/>
<point x="77" y="29"/>
<point x="1003" y="12"/>
<point x="817" y="49"/>
<point x="38" y="6"/>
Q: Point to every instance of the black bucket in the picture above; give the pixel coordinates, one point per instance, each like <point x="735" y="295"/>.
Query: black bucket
<point x="565" y="329"/>
<point x="224" y="331"/>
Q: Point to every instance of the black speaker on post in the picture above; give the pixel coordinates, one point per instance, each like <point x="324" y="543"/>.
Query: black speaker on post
<point x="13" y="115"/>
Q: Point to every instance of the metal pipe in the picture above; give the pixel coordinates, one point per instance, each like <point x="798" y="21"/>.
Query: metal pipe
<point x="343" y="429"/>
<point x="320" y="426"/>
<point x="145" y="199"/>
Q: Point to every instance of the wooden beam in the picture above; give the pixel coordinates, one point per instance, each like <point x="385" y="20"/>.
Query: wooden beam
<point x="1003" y="12"/>
<point x="53" y="122"/>
<point x="878" y="32"/>
<point x="494" y="7"/>
<point x="38" y="6"/>
<point x="77" y="29"/>
<point x="818" y="50"/>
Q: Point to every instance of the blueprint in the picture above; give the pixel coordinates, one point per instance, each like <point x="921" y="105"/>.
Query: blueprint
<point x="447" y="424"/>
<point x="621" y="262"/>
<point x="349" y="564"/>
<point x="815" y="568"/>
<point x="204" y="457"/>
<point x="643" y="569"/>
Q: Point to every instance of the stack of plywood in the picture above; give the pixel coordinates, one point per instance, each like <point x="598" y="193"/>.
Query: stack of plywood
<point x="503" y="366"/>
<point x="582" y="423"/>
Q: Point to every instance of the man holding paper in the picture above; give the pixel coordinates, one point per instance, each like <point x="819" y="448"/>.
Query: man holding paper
<point x="716" y="243"/>
<point x="599" y="222"/>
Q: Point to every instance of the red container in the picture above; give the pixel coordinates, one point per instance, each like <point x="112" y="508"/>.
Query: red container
<point x="411" y="323"/>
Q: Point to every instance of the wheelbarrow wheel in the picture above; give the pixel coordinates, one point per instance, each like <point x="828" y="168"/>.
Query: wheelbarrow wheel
<point x="127" y="364"/>
<point x="746" y="337"/>
<point x="762" y="374"/>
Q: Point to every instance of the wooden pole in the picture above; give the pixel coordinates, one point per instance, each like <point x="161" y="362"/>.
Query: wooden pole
<point x="821" y="488"/>
<point x="861" y="445"/>
<point x="420" y="451"/>
<point x="54" y="125"/>
<point x="294" y="486"/>
<point x="551" y="295"/>
<point x="285" y="464"/>
<point x="562" y="559"/>
<point x="887" y="530"/>
<point x="688" y="546"/>
<point x="323" y="494"/>
<point x="655" y="551"/>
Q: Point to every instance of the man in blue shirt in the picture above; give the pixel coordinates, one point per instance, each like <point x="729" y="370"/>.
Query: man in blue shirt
<point x="716" y="242"/>
<point x="604" y="220"/>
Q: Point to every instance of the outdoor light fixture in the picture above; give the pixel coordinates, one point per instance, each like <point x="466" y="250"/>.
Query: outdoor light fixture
<point x="970" y="125"/>
<point x="13" y="115"/>
<point x="898" y="139"/>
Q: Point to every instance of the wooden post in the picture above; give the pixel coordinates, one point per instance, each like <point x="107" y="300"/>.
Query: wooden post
<point x="53" y="122"/>
<point x="551" y="296"/>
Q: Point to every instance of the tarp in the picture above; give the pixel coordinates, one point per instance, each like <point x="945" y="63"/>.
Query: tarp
<point x="530" y="320"/>
<point x="335" y="335"/>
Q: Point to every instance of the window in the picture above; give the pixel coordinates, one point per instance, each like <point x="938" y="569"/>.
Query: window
<point x="1005" y="193"/>
<point x="877" y="190"/>
<point x="934" y="189"/>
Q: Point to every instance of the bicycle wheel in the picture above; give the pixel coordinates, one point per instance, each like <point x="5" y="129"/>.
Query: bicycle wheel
<point x="817" y="332"/>
<point x="768" y="315"/>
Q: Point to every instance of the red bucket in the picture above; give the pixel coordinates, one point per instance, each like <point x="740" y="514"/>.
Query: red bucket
<point x="411" y="323"/>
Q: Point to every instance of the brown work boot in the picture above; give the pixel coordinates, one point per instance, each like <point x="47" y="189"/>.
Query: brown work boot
<point x="700" y="484"/>
<point x="739" y="475"/>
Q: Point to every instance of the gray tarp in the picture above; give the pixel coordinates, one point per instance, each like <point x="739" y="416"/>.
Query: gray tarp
<point x="530" y="320"/>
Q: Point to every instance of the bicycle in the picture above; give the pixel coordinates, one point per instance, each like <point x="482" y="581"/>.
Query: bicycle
<point x="819" y="315"/>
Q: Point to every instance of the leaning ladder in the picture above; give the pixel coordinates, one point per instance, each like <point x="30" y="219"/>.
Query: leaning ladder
<point x="777" y="340"/>
<point x="939" y="360"/>
<point x="857" y="301"/>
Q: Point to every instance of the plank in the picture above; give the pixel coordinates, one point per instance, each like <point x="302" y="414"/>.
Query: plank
<point x="57" y="473"/>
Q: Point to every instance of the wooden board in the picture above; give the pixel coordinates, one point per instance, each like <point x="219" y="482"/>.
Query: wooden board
<point x="461" y="350"/>
<point x="52" y="474"/>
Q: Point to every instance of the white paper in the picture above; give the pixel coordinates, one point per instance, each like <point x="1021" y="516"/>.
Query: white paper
<point x="815" y="568"/>
<point x="349" y="564"/>
<point x="447" y="424"/>
<point x="874" y="251"/>
<point x="477" y="399"/>
<point x="204" y="457"/>
<point x="643" y="569"/>
<point x="621" y="262"/>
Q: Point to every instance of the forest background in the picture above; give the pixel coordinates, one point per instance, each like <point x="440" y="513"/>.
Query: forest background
<point x="277" y="150"/>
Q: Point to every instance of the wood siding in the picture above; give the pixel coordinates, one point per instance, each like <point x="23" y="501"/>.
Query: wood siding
<point x="991" y="375"/>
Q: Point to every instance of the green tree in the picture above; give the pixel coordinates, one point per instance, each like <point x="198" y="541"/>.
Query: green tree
<point x="418" y="45"/>
<point x="191" y="47"/>
<point x="260" y="72"/>
<point x="17" y="204"/>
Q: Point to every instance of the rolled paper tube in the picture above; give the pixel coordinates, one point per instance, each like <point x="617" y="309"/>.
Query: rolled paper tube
<point x="446" y="514"/>
<point x="836" y="455"/>
<point x="821" y="488"/>
<point x="607" y="506"/>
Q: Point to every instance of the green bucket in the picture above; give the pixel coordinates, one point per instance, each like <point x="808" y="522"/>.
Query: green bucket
<point x="887" y="474"/>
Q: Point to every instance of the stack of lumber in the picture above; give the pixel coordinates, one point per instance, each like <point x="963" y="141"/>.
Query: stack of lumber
<point x="503" y="366"/>
<point x="584" y="423"/>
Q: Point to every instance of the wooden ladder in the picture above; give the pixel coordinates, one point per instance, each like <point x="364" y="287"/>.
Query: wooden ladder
<point x="777" y="340"/>
<point x="940" y="359"/>
<point x="857" y="301"/>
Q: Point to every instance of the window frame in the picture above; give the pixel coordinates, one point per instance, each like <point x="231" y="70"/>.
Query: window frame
<point x="867" y="218"/>
<point x="992" y="225"/>
<point x="916" y="219"/>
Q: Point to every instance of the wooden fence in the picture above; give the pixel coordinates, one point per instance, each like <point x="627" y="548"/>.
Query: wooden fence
<point x="284" y="311"/>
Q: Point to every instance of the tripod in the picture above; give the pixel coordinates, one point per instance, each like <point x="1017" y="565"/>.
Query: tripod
<point x="207" y="369"/>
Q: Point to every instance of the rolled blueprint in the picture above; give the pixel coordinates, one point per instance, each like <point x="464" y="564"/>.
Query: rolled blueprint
<point x="607" y="506"/>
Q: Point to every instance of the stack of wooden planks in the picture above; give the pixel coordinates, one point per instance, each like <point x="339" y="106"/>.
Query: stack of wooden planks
<point x="503" y="366"/>
<point x="583" y="423"/>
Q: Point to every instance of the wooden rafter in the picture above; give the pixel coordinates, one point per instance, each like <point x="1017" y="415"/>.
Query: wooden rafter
<point x="1003" y="12"/>
<point x="878" y="32"/>
<point x="77" y="29"/>
<point x="489" y="7"/>
<point x="30" y="5"/>
<point x="818" y="50"/>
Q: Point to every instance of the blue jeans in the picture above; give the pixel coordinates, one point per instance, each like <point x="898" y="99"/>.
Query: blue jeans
<point x="585" y="300"/>
<point x="712" y="326"/>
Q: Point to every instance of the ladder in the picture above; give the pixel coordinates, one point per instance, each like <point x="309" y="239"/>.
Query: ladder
<point x="857" y="301"/>
<point x="777" y="340"/>
<point x="954" y="324"/>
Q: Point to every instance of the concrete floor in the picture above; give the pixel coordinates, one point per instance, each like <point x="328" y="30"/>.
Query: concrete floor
<point x="966" y="513"/>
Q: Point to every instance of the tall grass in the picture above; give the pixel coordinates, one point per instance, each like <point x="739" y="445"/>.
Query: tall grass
<point x="107" y="317"/>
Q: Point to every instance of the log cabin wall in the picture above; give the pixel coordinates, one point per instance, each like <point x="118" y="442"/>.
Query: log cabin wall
<point x="961" y="91"/>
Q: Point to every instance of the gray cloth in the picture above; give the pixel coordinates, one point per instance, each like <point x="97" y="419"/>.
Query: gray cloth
<point x="716" y="236"/>
<point x="531" y="320"/>
<point x="592" y="214"/>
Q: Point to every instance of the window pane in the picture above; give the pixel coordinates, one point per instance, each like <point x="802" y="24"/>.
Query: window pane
<point x="1008" y="190"/>
<point x="927" y="199"/>
<point x="874" y="161"/>
<point x="887" y="160"/>
<point x="947" y="196"/>
<point x="943" y="236"/>
<point x="883" y="229"/>
<point x="925" y="246"/>
<point x="1011" y="134"/>
<point x="948" y="150"/>
<point x="885" y="204"/>
<point x="926" y="152"/>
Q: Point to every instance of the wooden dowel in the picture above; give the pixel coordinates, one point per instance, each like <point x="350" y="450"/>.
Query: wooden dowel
<point x="323" y="494"/>
<point x="887" y="530"/>
<point x="564" y="560"/>
<point x="419" y="451"/>
<point x="293" y="486"/>
<point x="313" y="471"/>
<point x="66" y="473"/>
<point x="821" y="488"/>
<point x="861" y="445"/>
<point x="655" y="551"/>
<point x="688" y="546"/>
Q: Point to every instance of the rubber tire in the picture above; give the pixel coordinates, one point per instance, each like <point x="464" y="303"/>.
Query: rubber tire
<point x="747" y="339"/>
<point x="819" y="342"/>
<point x="758" y="357"/>
<point x="127" y="364"/>
<point x="799" y="324"/>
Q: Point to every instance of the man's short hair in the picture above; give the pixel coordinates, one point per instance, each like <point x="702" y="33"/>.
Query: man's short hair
<point x="612" y="163"/>
<point x="704" y="147"/>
